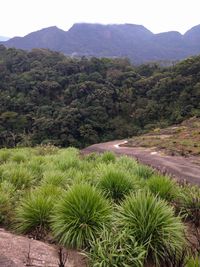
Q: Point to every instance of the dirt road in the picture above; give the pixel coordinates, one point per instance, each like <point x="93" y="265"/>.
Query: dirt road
<point x="176" y="166"/>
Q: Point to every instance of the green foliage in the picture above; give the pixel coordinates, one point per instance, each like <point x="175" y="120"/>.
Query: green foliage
<point x="190" y="203"/>
<point x="4" y="155"/>
<point x="193" y="261"/>
<point x="152" y="223"/>
<point x="19" y="157"/>
<point x="116" y="184"/>
<point x="7" y="192"/>
<point x="80" y="216"/>
<point x="47" y="98"/>
<point x="143" y="171"/>
<point x="34" y="210"/>
<point x="164" y="187"/>
<point x="113" y="249"/>
<point x="108" y="157"/>
<point x="18" y="175"/>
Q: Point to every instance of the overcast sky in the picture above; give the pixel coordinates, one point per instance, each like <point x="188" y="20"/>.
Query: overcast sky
<point x="20" y="17"/>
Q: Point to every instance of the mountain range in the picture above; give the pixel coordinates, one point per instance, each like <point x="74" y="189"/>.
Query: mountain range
<point x="3" y="38"/>
<point x="114" y="40"/>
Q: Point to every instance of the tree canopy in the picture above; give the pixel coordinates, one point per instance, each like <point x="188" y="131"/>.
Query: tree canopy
<point x="46" y="97"/>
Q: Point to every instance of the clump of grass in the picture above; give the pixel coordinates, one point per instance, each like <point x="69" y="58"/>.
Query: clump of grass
<point x="67" y="159"/>
<point x="4" y="155"/>
<point x="80" y="216"/>
<point x="6" y="194"/>
<point x="116" y="184"/>
<point x="152" y="223"/>
<point x="18" y="175"/>
<point x="143" y="171"/>
<point x="54" y="177"/>
<point x="193" y="261"/>
<point x="34" y="211"/>
<point x="108" y="157"/>
<point x="46" y="149"/>
<point x="113" y="249"/>
<point x="190" y="203"/>
<point x="19" y="157"/>
<point x="164" y="187"/>
<point x="127" y="163"/>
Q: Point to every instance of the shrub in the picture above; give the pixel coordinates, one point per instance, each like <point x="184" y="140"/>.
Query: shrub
<point x="116" y="184"/>
<point x="79" y="216"/>
<point x="164" y="187"/>
<point x="152" y="223"/>
<point x="112" y="249"/>
<point x="34" y="210"/>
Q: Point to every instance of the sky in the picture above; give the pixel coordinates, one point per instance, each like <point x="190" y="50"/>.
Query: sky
<point x="20" y="17"/>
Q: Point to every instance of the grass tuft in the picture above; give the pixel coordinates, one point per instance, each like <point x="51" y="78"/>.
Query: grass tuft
<point x="152" y="223"/>
<point x="80" y="216"/>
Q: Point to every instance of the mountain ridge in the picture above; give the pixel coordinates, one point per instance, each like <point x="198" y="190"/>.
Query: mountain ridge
<point x="113" y="40"/>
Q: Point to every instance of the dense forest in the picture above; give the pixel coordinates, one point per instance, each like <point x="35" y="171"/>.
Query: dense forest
<point x="46" y="97"/>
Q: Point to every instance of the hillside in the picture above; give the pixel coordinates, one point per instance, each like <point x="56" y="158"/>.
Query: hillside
<point x="180" y="139"/>
<point x="46" y="97"/>
<point x="123" y="40"/>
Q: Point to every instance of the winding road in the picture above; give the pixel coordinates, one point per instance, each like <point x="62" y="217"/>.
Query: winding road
<point x="180" y="168"/>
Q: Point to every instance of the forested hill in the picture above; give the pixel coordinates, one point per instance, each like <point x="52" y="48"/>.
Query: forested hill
<point x="46" y="97"/>
<point x="126" y="40"/>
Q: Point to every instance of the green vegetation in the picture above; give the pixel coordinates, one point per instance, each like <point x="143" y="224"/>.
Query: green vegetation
<point x="180" y="139"/>
<point x="152" y="223"/>
<point x="46" y="97"/>
<point x="119" y="212"/>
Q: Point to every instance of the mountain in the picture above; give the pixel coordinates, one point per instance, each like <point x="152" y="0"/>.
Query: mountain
<point x="123" y="40"/>
<point x="3" y="38"/>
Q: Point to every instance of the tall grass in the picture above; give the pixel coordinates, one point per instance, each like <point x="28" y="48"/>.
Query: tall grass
<point x="164" y="187"/>
<point x="152" y="223"/>
<point x="4" y="155"/>
<point x="108" y="157"/>
<point x="144" y="172"/>
<point x="113" y="249"/>
<point x="117" y="184"/>
<point x="34" y="210"/>
<point x="80" y="216"/>
<point x="18" y="175"/>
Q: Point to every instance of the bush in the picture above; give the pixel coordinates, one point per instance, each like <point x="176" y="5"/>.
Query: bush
<point x="164" y="187"/>
<point x="33" y="213"/>
<point x="80" y="216"/>
<point x="116" y="184"/>
<point x="152" y="223"/>
<point x="112" y="249"/>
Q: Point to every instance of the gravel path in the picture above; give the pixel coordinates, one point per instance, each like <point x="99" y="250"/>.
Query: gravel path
<point x="176" y="166"/>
